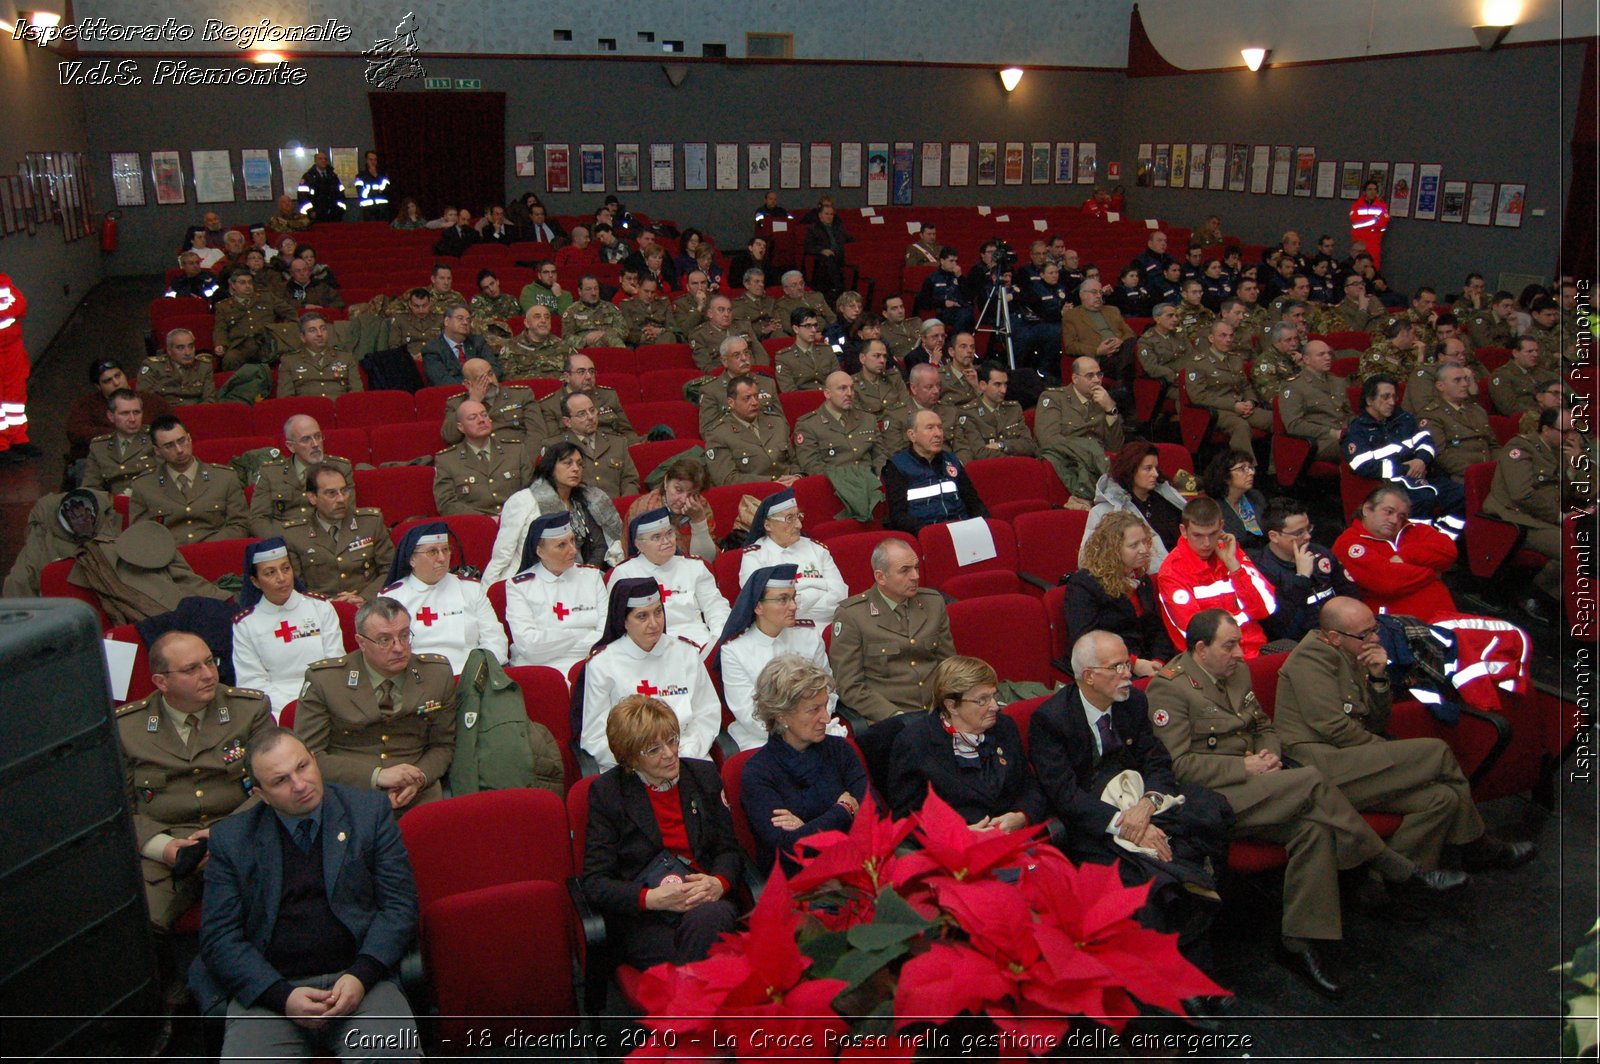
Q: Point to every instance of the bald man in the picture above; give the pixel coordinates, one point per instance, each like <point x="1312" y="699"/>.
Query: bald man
<point x="836" y="434"/>
<point x="280" y="489"/>
<point x="513" y="411"/>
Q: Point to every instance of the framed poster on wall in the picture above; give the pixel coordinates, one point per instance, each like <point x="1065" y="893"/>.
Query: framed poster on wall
<point x="1404" y="183"/>
<point x="1305" y="171"/>
<point x="1197" y="166"/>
<point x="1260" y="169"/>
<point x="758" y="158"/>
<point x="1453" y="201"/>
<point x="694" y="165"/>
<point x="1379" y="172"/>
<point x="255" y="166"/>
<point x="904" y="166"/>
<point x="821" y="164"/>
<point x="1161" y="175"/>
<point x="878" y="174"/>
<point x="1350" y="180"/>
<point x="628" y="168"/>
<point x="1327" y="179"/>
<point x="1217" y="180"/>
<point x="166" y="173"/>
<point x="789" y="165"/>
<point x="1014" y="162"/>
<point x="1480" y="204"/>
<point x="1508" y="205"/>
<point x="592" y="167"/>
<point x="727" y="167"/>
<point x="1238" y="167"/>
<point x="932" y="163"/>
<point x="1427" y="206"/>
<point x="1088" y="161"/>
<point x="1039" y="157"/>
<point x="850" y="164"/>
<point x="988" y="162"/>
<point x="1179" y="175"/>
<point x="127" y="180"/>
<point x="1066" y="171"/>
<point x="527" y="162"/>
<point x="1145" y="167"/>
<point x="213" y="176"/>
<point x="1282" y="167"/>
<point x="663" y="178"/>
<point x="960" y="163"/>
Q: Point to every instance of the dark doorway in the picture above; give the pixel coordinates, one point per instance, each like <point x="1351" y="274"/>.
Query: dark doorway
<point x="443" y="148"/>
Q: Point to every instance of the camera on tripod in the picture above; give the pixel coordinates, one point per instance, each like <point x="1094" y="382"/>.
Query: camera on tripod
<point x="1005" y="256"/>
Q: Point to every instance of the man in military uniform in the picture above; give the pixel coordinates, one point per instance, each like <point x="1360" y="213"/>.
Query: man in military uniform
<point x="418" y="324"/>
<point x="382" y="717"/>
<point x="887" y="640"/>
<point x="124" y="454"/>
<point x="1420" y="384"/>
<point x="836" y="434"/>
<point x="1194" y="318"/>
<point x="648" y="317"/>
<point x="1299" y="291"/>
<point x="925" y="251"/>
<point x="1161" y="350"/>
<point x="182" y="376"/>
<point x="707" y="337"/>
<point x="1356" y="312"/>
<point x="589" y="322"/>
<point x="339" y="551"/>
<point x="1202" y="707"/>
<point x="1515" y="386"/>
<point x="607" y="464"/>
<point x="958" y="373"/>
<point x="1314" y="404"/>
<point x="1396" y="355"/>
<point x="1555" y="350"/>
<point x="796" y="297"/>
<point x="753" y="307"/>
<point x="1280" y="361"/>
<point x="241" y="327"/>
<point x="1421" y="315"/>
<point x="196" y="501"/>
<point x="491" y="304"/>
<point x="993" y="426"/>
<point x="480" y="473"/>
<point x="1215" y="380"/>
<point x="747" y="445"/>
<point x="1494" y="327"/>
<point x="734" y="351"/>
<point x="689" y="309"/>
<point x="1527" y="491"/>
<point x="536" y="351"/>
<point x="901" y="334"/>
<point x="1250" y="332"/>
<point x="279" y="495"/>
<point x="1077" y="424"/>
<point x="1458" y="424"/>
<point x="1474" y="296"/>
<point x="58" y="526"/>
<point x="578" y="378"/>
<point x="804" y="365"/>
<point x="183" y="764"/>
<point x="318" y="367"/>
<point x="1333" y="705"/>
<point x="442" y="296"/>
<point x="880" y="391"/>
<point x="926" y="393"/>
<point x="512" y="409"/>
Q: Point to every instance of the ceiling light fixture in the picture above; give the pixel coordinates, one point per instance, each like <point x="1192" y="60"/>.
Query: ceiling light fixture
<point x="1011" y="77"/>
<point x="1254" y="57"/>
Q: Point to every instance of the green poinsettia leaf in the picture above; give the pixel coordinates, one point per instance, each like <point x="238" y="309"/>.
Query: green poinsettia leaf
<point x="893" y="922"/>
<point x="1581" y="1024"/>
<point x="824" y="950"/>
<point x="857" y="966"/>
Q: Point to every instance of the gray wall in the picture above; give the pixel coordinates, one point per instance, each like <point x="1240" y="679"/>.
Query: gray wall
<point x="1498" y="116"/>
<point x="41" y="115"/>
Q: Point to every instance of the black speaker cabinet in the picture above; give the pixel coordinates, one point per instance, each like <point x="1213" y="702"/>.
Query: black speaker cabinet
<point x="77" y="960"/>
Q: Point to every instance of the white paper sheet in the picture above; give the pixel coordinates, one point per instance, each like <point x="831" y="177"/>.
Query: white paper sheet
<point x="984" y="211"/>
<point x="868" y="212"/>
<point x="120" y="657"/>
<point x="876" y="219"/>
<point x="1040" y="225"/>
<point x="1002" y="218"/>
<point x="780" y="227"/>
<point x="1113" y="216"/>
<point x="913" y="228"/>
<point x="1151" y="223"/>
<point x="972" y="541"/>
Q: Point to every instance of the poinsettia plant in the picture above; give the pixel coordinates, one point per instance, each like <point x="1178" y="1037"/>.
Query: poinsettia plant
<point x="871" y="949"/>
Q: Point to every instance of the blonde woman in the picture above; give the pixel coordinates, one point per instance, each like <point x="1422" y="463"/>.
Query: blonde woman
<point x="1113" y="592"/>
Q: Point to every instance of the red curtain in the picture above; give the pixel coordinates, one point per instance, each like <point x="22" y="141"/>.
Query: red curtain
<point x="443" y="148"/>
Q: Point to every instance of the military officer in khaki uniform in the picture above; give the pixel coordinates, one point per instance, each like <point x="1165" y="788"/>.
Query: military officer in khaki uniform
<point x="747" y="445"/>
<point x="589" y="322"/>
<point x="1527" y="489"/>
<point x="416" y="324"/>
<point x="887" y="640"/>
<point x="1396" y="355"/>
<point x="1515" y="386"/>
<point x="648" y="317"/>
<point x="58" y="526"/>
<point x="118" y="458"/>
<point x="240" y="329"/>
<point x="1356" y="312"/>
<point x="1494" y="327"/>
<point x="689" y="309"/>
<point x="752" y="306"/>
<point x="1161" y="350"/>
<point x="480" y="473"/>
<point x="536" y="351"/>
<point x="734" y="353"/>
<point x="279" y="494"/>
<point x="339" y="551"/>
<point x="513" y="412"/>
<point x="926" y="393"/>
<point x="1421" y="315"/>
<point x="1279" y="362"/>
<point x="707" y="337"/>
<point x="1333" y="705"/>
<point x="1458" y="425"/>
<point x="1420" y="384"/>
<point x="993" y="427"/>
<point x="1555" y="348"/>
<point x="606" y="462"/>
<point x="1314" y="405"/>
<point x="958" y="374"/>
<point x="318" y="367"/>
<point x="578" y="378"/>
<point x="836" y="434"/>
<point x="182" y="376"/>
<point x="804" y="365"/>
<point x="880" y="391"/>
<point x="1215" y="379"/>
<point x="1202" y="708"/>
<point x="901" y="334"/>
<point x="794" y="298"/>
<point x="382" y="717"/>
<point x="183" y="763"/>
<point x="925" y="252"/>
<point x="195" y="501"/>
<point x="1081" y="410"/>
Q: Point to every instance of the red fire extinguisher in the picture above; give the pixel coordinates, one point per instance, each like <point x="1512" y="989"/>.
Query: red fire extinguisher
<point x="108" y="230"/>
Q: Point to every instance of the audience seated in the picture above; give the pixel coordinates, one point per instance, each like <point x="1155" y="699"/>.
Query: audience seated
<point x="451" y="616"/>
<point x="555" y="605"/>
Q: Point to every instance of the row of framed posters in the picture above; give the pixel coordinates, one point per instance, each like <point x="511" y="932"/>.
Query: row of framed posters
<point x="888" y="170"/>
<point x="214" y="175"/>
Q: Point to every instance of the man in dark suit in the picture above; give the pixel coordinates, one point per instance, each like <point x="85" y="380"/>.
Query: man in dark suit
<point x="457" y="238"/>
<point x="543" y="229"/>
<point x="309" y="906"/>
<point x="445" y="354"/>
<point x="497" y="229"/>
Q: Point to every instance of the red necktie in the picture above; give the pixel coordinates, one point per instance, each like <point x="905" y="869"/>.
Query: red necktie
<point x="461" y="354"/>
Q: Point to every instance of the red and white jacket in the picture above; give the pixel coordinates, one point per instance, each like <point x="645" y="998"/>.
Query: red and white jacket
<point x="1187" y="584"/>
<point x="1403" y="576"/>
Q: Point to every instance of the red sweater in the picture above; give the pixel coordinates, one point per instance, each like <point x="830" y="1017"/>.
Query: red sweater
<point x="1403" y="576"/>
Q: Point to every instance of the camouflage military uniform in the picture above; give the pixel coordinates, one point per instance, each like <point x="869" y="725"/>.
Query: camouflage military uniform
<point x="1384" y="357"/>
<point x="526" y="357"/>
<point x="1272" y="370"/>
<point x="582" y="318"/>
<point x="1422" y="327"/>
<point x="179" y="385"/>
<point x="1194" y="323"/>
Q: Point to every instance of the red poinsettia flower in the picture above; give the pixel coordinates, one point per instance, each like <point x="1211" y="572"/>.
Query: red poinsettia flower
<point x="951" y="848"/>
<point x="862" y="860"/>
<point x="949" y="979"/>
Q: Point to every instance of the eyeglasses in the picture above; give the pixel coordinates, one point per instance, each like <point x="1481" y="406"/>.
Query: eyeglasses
<point x="788" y="517"/>
<point x="432" y="551"/>
<point x="1360" y="637"/>
<point x="388" y="642"/>
<point x="986" y="702"/>
<point x="659" y="749"/>
<point x="779" y="600"/>
<point x="1304" y="533"/>
<point x="1121" y="668"/>
<point x="196" y="669"/>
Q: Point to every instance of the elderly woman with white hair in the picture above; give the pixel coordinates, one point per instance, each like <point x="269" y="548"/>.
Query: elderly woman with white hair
<point x="777" y="538"/>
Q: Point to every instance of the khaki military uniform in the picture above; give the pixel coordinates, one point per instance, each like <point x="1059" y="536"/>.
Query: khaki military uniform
<point x="353" y="556"/>
<point x="714" y="400"/>
<point x="280" y="493"/>
<point x="512" y="411"/>
<point x="113" y="463"/>
<point x="525" y="357"/>
<point x="212" y="508"/>
<point x="1251" y="335"/>
<point x="1208" y="726"/>
<point x="823" y="441"/>
<point x="1316" y="407"/>
<point x="1553" y="352"/>
<point x="742" y="452"/>
<point x="340" y="719"/>
<point x="900" y="420"/>
<point x="48" y="542"/>
<point x="179" y="385"/>
<point x="706" y="342"/>
<point x="1385" y="357"/>
<point x="636" y="313"/>
<point x="608" y="405"/>
<point x="921" y="254"/>
<point x="330" y="374"/>
<point x="1217" y="381"/>
<point x="241" y="330"/>
<point x="883" y="397"/>
<point x="752" y="310"/>
<point x="1513" y="389"/>
<point x="883" y="657"/>
<point x="955" y="388"/>
<point x="1063" y="415"/>
<point x="1422" y="327"/>
<point x="1526" y="491"/>
<point x="902" y="337"/>
<point x="1485" y="330"/>
<point x="979" y="425"/>
<point x="1331" y="715"/>
<point x="581" y="318"/>
<point x="804" y="369"/>
<point x="1162" y="356"/>
<point x="810" y="300"/>
<point x="415" y="331"/>
<point x="687" y="315"/>
<point x="1194" y="324"/>
<point x="606" y="462"/>
<point x="1272" y="370"/>
<point x="465" y="482"/>
<point x="1461" y="435"/>
<point x="181" y="780"/>
<point x="1350" y="316"/>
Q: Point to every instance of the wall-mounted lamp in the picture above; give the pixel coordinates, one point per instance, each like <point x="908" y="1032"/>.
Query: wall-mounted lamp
<point x="1011" y="77"/>
<point x="676" y="73"/>
<point x="47" y="19"/>
<point x="1489" y="37"/>
<point x="1254" y="57"/>
<point x="266" y="57"/>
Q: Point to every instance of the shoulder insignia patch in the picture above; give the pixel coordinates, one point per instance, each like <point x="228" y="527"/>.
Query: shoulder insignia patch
<point x="1181" y="597"/>
<point x="242" y="614"/>
<point x="1514" y="453"/>
<point x="132" y="707"/>
<point x="371" y="510"/>
<point x="1357" y="550"/>
<point x="1324" y="565"/>
<point x="296" y="523"/>
<point x="326" y="663"/>
<point x="1172" y="670"/>
<point x="529" y="575"/>
<point x="805" y="624"/>
<point x="1160" y="718"/>
<point x="434" y="659"/>
<point x="244" y="692"/>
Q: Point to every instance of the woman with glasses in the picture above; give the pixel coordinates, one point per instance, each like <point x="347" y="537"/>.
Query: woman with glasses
<point x="762" y="627"/>
<point x="1231" y="480"/>
<point x="968" y="752"/>
<point x="695" y="607"/>
<point x="449" y="615"/>
<point x="555" y="605"/>
<point x="282" y="629"/>
<point x="637" y="655"/>
<point x="1113" y="592"/>
<point x="558" y="487"/>
<point x="660" y="860"/>
<point x="777" y="538"/>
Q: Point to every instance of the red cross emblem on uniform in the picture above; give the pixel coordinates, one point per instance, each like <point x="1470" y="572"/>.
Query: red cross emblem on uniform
<point x="666" y="593"/>
<point x="647" y="688"/>
<point x="284" y="631"/>
<point x="427" y="616"/>
<point x="560" y="611"/>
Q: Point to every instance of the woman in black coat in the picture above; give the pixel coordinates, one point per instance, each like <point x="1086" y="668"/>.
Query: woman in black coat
<point x="1231" y="480"/>
<point x="660" y="860"/>
<point x="968" y="751"/>
<point x="1113" y="592"/>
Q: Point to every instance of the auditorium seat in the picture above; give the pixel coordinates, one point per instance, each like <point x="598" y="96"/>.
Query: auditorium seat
<point x="853" y="555"/>
<point x="217" y="558"/>
<point x="1010" y="485"/>
<point x="400" y="492"/>
<point x="679" y="415"/>
<point x="206" y="420"/>
<point x="545" y="699"/>
<point x="474" y="532"/>
<point x="992" y="576"/>
<point x="1010" y="632"/>
<point x="356" y="410"/>
<point x="269" y="415"/>
<point x="405" y="442"/>
<point x="1047" y="544"/>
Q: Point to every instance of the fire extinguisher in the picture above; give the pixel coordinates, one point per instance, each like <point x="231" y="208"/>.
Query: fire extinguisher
<point x="108" y="230"/>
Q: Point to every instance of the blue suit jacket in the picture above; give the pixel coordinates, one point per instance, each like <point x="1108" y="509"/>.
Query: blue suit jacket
<point x="440" y="365"/>
<point x="366" y="872"/>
